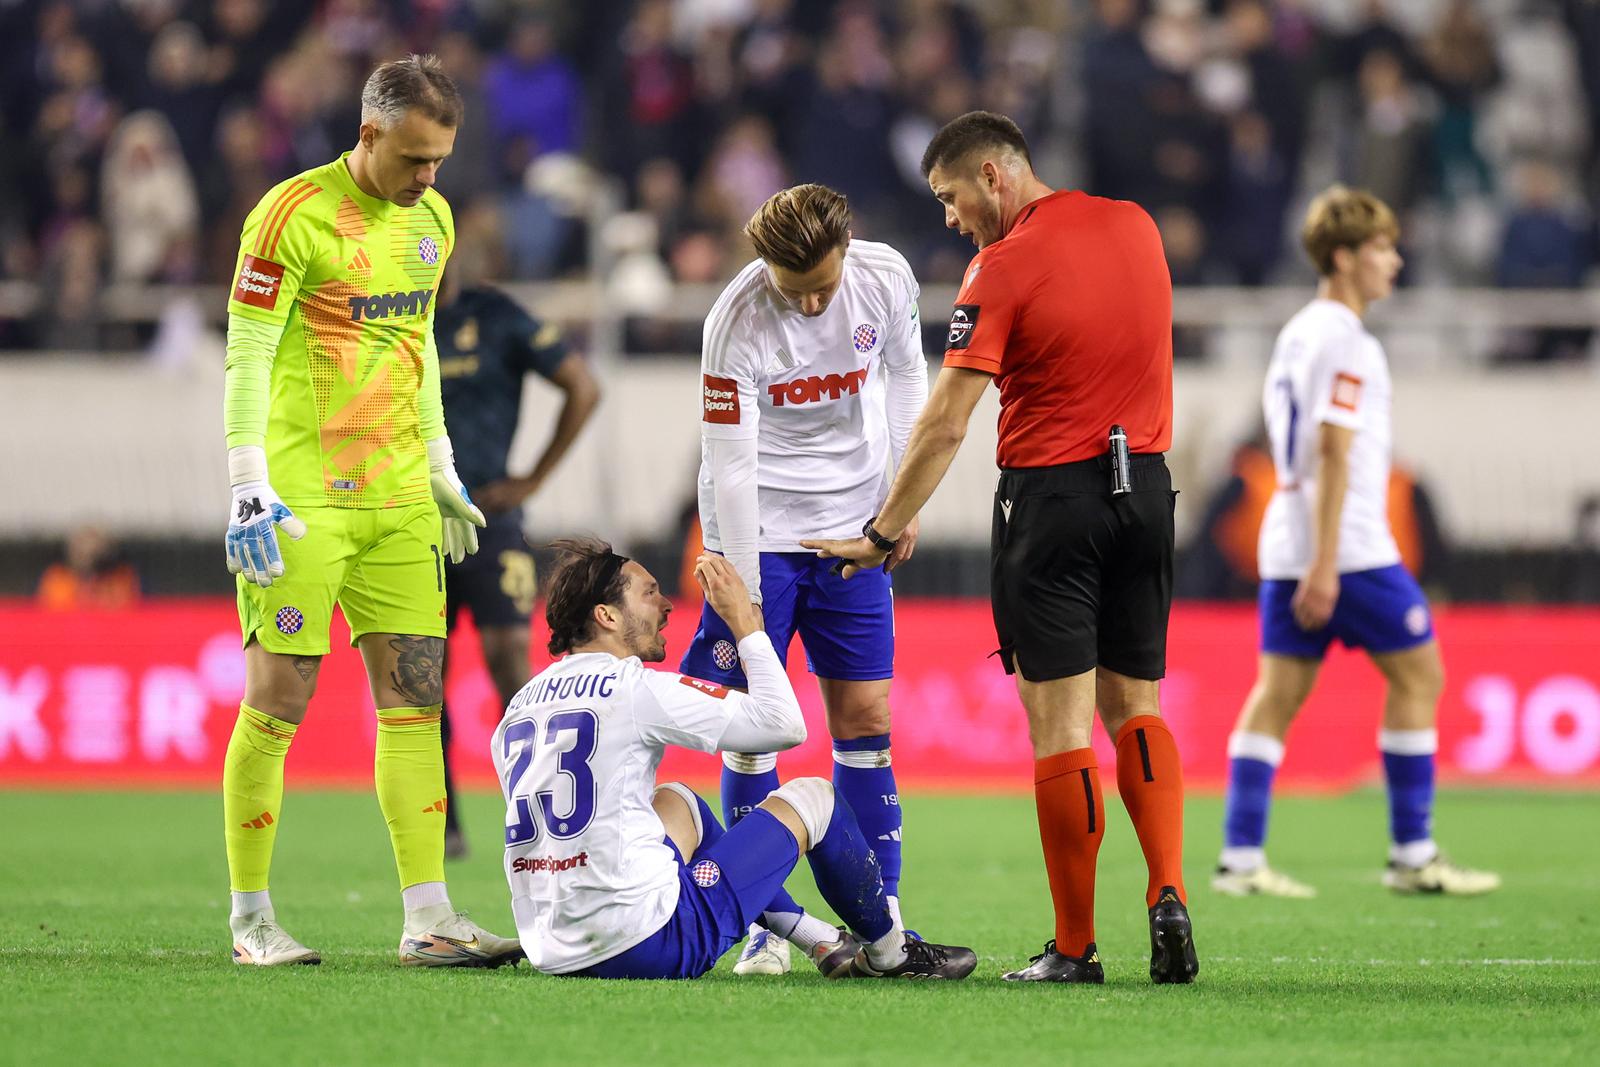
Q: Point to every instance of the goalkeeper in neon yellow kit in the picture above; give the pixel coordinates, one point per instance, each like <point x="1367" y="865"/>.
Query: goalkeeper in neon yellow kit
<point x="344" y="491"/>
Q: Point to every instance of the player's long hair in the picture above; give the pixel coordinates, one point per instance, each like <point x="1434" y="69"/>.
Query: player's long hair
<point x="797" y="227"/>
<point x="579" y="582"/>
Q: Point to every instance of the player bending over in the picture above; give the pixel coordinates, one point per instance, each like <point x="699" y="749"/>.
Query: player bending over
<point x="813" y="377"/>
<point x="613" y="876"/>
<point x="333" y="391"/>
<point x="1329" y="564"/>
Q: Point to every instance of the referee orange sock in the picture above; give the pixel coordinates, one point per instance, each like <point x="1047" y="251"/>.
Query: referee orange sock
<point x="1150" y="779"/>
<point x="1072" y="820"/>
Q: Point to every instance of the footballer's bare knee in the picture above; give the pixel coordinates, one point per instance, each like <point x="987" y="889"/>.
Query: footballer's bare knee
<point x="1282" y="685"/>
<point x="1060" y="712"/>
<point x="279" y="684"/>
<point x="1121" y="697"/>
<point x="675" y="806"/>
<point x="855" y="709"/>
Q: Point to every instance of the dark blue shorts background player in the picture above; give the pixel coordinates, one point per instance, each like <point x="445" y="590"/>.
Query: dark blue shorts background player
<point x="487" y="345"/>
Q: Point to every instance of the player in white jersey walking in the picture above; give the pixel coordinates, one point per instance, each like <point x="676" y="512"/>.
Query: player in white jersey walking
<point x="613" y="876"/>
<point x="813" y="376"/>
<point x="1329" y="565"/>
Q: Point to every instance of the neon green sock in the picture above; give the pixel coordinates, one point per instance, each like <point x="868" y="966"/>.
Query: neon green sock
<point x="409" y="772"/>
<point x="252" y="795"/>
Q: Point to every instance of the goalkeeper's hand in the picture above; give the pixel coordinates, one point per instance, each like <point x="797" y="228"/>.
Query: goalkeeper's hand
<point x="459" y="516"/>
<point x="252" y="542"/>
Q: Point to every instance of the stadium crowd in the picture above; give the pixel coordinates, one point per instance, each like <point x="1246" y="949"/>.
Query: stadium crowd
<point x="136" y="134"/>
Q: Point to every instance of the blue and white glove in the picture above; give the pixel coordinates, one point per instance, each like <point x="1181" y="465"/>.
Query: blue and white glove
<point x="252" y="540"/>
<point x="459" y="517"/>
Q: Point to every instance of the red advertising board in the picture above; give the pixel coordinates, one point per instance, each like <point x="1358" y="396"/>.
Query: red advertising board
<point x="149" y="696"/>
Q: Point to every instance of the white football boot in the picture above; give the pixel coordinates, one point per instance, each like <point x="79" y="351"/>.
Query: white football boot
<point x="1261" y="881"/>
<point x="764" y="953"/>
<point x="259" y="940"/>
<point x="439" y="937"/>
<point x="1439" y="875"/>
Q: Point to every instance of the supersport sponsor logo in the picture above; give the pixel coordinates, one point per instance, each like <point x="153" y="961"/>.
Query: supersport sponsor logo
<point x="258" y="283"/>
<point x="720" y="398"/>
<point x="812" y="389"/>
<point x="553" y="864"/>
<point x="708" y="688"/>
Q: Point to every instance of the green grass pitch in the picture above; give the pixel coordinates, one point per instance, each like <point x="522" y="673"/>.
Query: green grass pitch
<point x="114" y="949"/>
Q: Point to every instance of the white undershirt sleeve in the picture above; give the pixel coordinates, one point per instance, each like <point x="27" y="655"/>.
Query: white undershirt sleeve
<point x="734" y="464"/>
<point x="768" y="718"/>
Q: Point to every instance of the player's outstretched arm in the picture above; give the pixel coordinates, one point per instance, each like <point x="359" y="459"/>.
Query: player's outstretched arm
<point x="934" y="443"/>
<point x="768" y="717"/>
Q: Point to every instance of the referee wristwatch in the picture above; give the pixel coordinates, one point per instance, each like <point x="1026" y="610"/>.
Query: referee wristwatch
<point x="880" y="542"/>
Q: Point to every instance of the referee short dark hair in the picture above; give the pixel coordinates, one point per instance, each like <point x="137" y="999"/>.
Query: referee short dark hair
<point x="571" y="595"/>
<point x="973" y="132"/>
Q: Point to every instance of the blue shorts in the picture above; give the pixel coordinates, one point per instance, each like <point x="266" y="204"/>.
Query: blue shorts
<point x="1380" y="610"/>
<point x="721" y="891"/>
<point x="847" y="627"/>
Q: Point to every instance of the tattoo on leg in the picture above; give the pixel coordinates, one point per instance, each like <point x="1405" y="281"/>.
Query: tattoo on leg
<point x="305" y="666"/>
<point x="418" y="675"/>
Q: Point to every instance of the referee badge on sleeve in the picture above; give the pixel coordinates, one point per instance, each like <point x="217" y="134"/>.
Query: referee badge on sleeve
<point x="963" y="320"/>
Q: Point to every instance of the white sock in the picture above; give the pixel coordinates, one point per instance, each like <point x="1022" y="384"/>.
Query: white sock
<point x="247" y="903"/>
<point x="1414" y="853"/>
<point x="1243" y="858"/>
<point x="888" y="951"/>
<point x="424" y="895"/>
<point x="894" y="909"/>
<point x="808" y="933"/>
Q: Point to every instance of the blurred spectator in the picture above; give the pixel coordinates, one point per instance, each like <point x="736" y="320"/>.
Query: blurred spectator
<point x="651" y="90"/>
<point x="841" y="140"/>
<point x="469" y="172"/>
<point x="1258" y="184"/>
<point x="1461" y="59"/>
<point x="1549" y="243"/>
<point x="533" y="96"/>
<point x="234" y="181"/>
<point x="1388" y="145"/>
<point x="743" y="171"/>
<point x="180" y="88"/>
<point x="149" y="205"/>
<point x="92" y="575"/>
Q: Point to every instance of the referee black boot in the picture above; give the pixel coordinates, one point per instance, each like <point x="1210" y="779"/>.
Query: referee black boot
<point x="1172" y="958"/>
<point x="1053" y="966"/>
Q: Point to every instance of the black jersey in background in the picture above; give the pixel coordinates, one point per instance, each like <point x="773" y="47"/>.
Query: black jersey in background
<point x="487" y="343"/>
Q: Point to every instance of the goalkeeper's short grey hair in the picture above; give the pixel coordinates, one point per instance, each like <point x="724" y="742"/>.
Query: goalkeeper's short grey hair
<point x="415" y="83"/>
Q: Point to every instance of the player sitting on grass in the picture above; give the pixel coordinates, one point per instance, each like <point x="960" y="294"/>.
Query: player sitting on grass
<point x="1329" y="564"/>
<point x="613" y="876"/>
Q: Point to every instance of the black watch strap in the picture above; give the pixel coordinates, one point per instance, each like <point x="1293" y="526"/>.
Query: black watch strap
<point x="882" y="543"/>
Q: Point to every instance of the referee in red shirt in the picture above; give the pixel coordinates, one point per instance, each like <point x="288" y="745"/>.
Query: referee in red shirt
<point x="1067" y="308"/>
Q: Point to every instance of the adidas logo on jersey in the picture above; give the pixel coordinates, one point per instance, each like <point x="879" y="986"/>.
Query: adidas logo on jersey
<point x="383" y="305"/>
<point x="359" y="261"/>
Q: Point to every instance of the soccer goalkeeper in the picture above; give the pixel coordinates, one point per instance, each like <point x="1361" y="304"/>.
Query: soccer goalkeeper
<point x="345" y="491"/>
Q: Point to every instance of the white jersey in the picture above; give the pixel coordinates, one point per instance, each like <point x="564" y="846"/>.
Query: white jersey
<point x="590" y="872"/>
<point x="1326" y="368"/>
<point x="810" y="391"/>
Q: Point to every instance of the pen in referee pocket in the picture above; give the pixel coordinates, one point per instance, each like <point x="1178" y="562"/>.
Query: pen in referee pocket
<point x="1121" y="482"/>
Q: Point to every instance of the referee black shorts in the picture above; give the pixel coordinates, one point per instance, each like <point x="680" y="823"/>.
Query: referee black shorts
<point x="1080" y="578"/>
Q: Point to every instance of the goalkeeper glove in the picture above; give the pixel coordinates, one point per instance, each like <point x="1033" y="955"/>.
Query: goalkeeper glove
<point x="252" y="543"/>
<point x="459" y="517"/>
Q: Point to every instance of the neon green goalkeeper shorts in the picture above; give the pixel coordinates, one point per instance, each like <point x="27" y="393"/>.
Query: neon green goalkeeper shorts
<point x="382" y="566"/>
